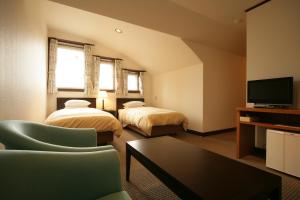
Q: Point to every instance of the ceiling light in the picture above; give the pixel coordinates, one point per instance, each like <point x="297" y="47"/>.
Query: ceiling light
<point x="118" y="30"/>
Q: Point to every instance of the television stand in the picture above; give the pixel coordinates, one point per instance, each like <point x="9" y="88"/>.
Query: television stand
<point x="270" y="106"/>
<point x="272" y="118"/>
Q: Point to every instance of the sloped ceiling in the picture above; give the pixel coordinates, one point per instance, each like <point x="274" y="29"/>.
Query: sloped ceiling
<point x="154" y="51"/>
<point x="227" y="12"/>
<point x="217" y="23"/>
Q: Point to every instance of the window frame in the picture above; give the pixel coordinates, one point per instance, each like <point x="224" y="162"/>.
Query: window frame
<point x="71" y="45"/>
<point x="114" y="76"/>
<point x="138" y="81"/>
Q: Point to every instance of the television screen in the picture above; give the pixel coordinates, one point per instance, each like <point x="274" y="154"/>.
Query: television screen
<point x="276" y="91"/>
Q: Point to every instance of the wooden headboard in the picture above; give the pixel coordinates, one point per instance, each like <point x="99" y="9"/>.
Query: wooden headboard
<point x="60" y="102"/>
<point x="120" y="101"/>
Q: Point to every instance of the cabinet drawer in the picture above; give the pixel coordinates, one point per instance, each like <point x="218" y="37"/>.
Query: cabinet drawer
<point x="292" y="154"/>
<point x="275" y="149"/>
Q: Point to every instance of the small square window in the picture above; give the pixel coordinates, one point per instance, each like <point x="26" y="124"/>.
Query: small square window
<point x="106" y="76"/>
<point x="133" y="81"/>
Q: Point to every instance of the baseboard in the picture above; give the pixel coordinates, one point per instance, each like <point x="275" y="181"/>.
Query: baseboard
<point x="194" y="132"/>
<point x="209" y="133"/>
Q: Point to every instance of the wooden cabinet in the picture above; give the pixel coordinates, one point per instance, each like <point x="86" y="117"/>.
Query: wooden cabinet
<point x="277" y="119"/>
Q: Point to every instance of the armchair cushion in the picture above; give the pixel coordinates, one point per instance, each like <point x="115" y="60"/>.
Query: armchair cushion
<point x="60" y="175"/>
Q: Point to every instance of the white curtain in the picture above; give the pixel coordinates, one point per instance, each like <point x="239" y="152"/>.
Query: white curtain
<point x="141" y="83"/>
<point x="118" y="78"/>
<point x="96" y="80"/>
<point x="52" y="66"/>
<point x="125" y="83"/>
<point x="88" y="80"/>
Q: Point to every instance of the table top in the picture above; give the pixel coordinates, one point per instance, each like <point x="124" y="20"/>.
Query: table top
<point x="207" y="174"/>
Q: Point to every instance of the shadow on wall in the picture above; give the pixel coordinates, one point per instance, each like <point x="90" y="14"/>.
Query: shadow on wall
<point x="224" y="85"/>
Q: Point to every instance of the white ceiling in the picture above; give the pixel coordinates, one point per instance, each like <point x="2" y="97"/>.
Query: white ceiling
<point x="154" y="51"/>
<point x="209" y="22"/>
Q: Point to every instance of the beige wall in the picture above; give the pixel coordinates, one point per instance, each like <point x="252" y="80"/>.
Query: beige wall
<point x="223" y="86"/>
<point x="273" y="42"/>
<point x="181" y="90"/>
<point x="99" y="49"/>
<point x="22" y="60"/>
<point x="207" y="93"/>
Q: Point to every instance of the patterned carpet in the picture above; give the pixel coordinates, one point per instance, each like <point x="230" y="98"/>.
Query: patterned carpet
<point x="144" y="186"/>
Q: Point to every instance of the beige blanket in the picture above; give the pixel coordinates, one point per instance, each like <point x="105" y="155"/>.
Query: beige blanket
<point x="146" y="117"/>
<point x="85" y="118"/>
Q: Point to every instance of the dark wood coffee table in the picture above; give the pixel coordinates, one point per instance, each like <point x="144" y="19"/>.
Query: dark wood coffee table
<point x="194" y="173"/>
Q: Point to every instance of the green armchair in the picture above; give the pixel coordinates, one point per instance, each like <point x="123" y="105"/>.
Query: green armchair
<point x="60" y="175"/>
<point x="25" y="135"/>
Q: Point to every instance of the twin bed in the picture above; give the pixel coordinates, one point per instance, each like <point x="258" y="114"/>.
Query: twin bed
<point x="105" y="124"/>
<point x="148" y="121"/>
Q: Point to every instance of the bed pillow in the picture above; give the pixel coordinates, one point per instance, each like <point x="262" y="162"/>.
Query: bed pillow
<point x="76" y="103"/>
<point x="133" y="104"/>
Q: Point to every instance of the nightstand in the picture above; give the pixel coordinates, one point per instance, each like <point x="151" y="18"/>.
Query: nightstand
<point x="113" y="112"/>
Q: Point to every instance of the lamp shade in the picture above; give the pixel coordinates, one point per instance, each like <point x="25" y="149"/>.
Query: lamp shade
<point x="103" y="94"/>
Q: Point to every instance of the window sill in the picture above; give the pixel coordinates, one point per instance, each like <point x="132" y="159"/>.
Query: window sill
<point x="110" y="91"/>
<point x="69" y="90"/>
<point x="134" y="91"/>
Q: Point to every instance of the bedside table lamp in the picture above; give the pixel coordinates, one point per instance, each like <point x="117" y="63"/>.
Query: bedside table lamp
<point x="103" y="95"/>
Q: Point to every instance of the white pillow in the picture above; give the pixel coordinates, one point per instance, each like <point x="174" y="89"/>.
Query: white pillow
<point x="76" y="103"/>
<point x="133" y="104"/>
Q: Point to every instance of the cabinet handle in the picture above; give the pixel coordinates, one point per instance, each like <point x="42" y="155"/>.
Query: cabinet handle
<point x="276" y="132"/>
<point x="292" y="134"/>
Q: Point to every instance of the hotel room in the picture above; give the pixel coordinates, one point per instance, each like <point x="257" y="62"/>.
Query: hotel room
<point x="174" y="99"/>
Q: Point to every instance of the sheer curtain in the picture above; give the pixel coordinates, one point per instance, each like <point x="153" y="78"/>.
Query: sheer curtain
<point x="141" y="83"/>
<point x="88" y="82"/>
<point x="96" y="80"/>
<point x="125" y="83"/>
<point x="118" y="78"/>
<point x="52" y="66"/>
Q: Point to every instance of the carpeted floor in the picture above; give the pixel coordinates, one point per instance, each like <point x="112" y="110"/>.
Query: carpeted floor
<point x="144" y="186"/>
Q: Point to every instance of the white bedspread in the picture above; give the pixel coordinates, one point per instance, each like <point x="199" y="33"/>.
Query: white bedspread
<point x="85" y="118"/>
<point x="146" y="117"/>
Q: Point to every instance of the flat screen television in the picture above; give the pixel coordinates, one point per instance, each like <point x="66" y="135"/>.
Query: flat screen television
<point x="271" y="92"/>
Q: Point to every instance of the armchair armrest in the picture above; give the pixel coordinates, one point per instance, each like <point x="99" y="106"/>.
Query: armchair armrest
<point x="76" y="137"/>
<point x="23" y="142"/>
<point x="59" y="175"/>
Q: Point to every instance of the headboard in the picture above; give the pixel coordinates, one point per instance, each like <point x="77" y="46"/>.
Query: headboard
<point x="60" y="102"/>
<point x="120" y="101"/>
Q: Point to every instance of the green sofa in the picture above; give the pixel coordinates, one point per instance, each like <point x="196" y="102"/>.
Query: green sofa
<point x="46" y="175"/>
<point x="25" y="135"/>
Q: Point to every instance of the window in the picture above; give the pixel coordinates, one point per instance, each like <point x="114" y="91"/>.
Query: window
<point x="70" y="68"/>
<point x="133" y="81"/>
<point x="106" y="76"/>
